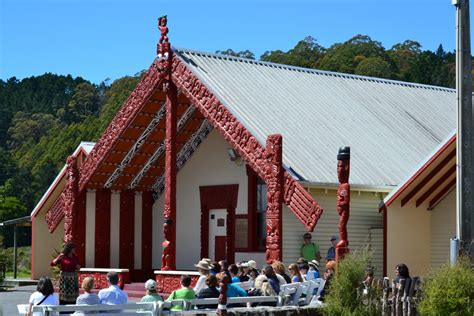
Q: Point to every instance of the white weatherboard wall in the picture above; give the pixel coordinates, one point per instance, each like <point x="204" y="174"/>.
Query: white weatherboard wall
<point x="443" y="227"/>
<point x="209" y="165"/>
<point x="364" y="218"/>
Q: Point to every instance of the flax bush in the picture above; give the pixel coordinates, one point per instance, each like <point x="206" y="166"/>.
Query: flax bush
<point x="449" y="290"/>
<point x="344" y="295"/>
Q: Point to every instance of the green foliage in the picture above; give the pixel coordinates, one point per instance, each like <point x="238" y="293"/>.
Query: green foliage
<point x="344" y="295"/>
<point x="242" y="54"/>
<point x="449" y="290"/>
<point x="306" y="54"/>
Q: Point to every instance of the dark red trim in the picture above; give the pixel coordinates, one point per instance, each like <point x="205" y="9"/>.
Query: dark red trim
<point x="102" y="228"/>
<point x="384" y="210"/>
<point x="127" y="229"/>
<point x="32" y="268"/>
<point x="80" y="238"/>
<point x="421" y="170"/>
<point x="218" y="197"/>
<point x="252" y="209"/>
<point x="436" y="185"/>
<point x="441" y="194"/>
<point x="147" y="230"/>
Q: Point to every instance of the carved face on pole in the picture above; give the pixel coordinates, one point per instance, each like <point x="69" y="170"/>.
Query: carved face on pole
<point x="343" y="171"/>
<point x="167" y="231"/>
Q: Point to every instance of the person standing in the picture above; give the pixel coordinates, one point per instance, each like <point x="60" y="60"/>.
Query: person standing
<point x="309" y="249"/>
<point x="113" y="294"/>
<point x="331" y="255"/>
<point x="68" y="280"/>
<point x="44" y="295"/>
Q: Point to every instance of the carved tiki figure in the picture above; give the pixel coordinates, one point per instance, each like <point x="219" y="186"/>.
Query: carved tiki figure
<point x="163" y="51"/>
<point x="343" y="200"/>
<point x="166" y="257"/>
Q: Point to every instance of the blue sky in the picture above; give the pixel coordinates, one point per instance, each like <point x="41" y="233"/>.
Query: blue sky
<point x="99" y="39"/>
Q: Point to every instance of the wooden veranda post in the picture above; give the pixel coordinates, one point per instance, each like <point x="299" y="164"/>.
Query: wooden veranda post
<point x="274" y="180"/>
<point x="169" y="212"/>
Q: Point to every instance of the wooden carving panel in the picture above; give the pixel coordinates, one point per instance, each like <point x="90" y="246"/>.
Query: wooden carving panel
<point x="55" y="214"/>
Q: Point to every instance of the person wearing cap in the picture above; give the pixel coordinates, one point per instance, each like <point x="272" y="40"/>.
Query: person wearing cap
<point x="331" y="255"/>
<point x="151" y="294"/>
<point x="203" y="269"/>
<point x="313" y="271"/>
<point x="310" y="250"/>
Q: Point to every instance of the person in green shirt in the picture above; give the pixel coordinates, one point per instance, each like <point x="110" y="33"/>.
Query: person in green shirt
<point x="310" y="250"/>
<point x="151" y="294"/>
<point x="184" y="293"/>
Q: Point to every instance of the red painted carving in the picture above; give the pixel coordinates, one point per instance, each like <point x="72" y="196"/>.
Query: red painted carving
<point x="168" y="283"/>
<point x="343" y="200"/>
<point x="70" y="198"/>
<point x="169" y="212"/>
<point x="80" y="228"/>
<point x="55" y="214"/>
<point x="218" y="197"/>
<point x="295" y="196"/>
<point x="274" y="176"/>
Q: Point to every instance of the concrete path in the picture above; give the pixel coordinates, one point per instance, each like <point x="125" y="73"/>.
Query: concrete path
<point x="13" y="297"/>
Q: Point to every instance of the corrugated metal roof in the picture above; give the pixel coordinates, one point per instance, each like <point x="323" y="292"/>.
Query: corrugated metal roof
<point x="389" y="125"/>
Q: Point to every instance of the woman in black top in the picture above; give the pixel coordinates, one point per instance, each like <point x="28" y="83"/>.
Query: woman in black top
<point x="210" y="292"/>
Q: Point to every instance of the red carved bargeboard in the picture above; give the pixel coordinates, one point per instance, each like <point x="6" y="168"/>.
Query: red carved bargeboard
<point x="167" y="283"/>
<point x="100" y="279"/>
<point x="306" y="209"/>
<point x="55" y="214"/>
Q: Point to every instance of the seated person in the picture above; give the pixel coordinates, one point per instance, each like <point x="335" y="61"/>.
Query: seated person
<point x="113" y="294"/>
<point x="313" y="272"/>
<point x="44" y="295"/>
<point x="151" y="294"/>
<point x="234" y="273"/>
<point x="184" y="293"/>
<point x="262" y="288"/>
<point x="210" y="292"/>
<point x="88" y="298"/>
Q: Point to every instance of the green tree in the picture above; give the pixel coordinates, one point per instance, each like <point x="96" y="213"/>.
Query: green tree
<point x="28" y="127"/>
<point x="374" y="67"/>
<point x="84" y="102"/>
<point x="10" y="208"/>
<point x="306" y="53"/>
<point x="242" y="54"/>
<point x="404" y="55"/>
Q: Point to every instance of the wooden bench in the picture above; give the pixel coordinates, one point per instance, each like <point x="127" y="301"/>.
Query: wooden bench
<point x="291" y="293"/>
<point x="151" y="309"/>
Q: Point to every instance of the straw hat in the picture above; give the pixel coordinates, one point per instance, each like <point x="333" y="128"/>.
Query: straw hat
<point x="252" y="264"/>
<point x="314" y="263"/>
<point x="202" y="264"/>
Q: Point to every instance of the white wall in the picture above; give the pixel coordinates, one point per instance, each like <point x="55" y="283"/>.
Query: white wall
<point x="364" y="216"/>
<point x="209" y="165"/>
<point x="443" y="227"/>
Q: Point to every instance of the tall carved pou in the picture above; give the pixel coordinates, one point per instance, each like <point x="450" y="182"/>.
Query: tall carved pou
<point x="70" y="198"/>
<point x="343" y="200"/>
<point x="274" y="179"/>
<point x="169" y="211"/>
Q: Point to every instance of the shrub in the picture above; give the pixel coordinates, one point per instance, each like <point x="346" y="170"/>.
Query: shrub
<point x="344" y="295"/>
<point x="449" y="290"/>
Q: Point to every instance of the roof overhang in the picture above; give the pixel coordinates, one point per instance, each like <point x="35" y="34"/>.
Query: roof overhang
<point x="432" y="179"/>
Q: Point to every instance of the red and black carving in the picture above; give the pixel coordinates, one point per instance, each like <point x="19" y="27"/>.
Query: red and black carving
<point x="168" y="283"/>
<point x="55" y="214"/>
<point x="274" y="180"/>
<point x="295" y="196"/>
<point x="222" y="300"/>
<point x="343" y="200"/>
<point x="70" y="198"/>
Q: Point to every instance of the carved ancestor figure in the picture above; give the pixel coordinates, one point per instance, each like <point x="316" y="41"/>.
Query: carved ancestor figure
<point x="163" y="50"/>
<point x="343" y="200"/>
<point x="166" y="257"/>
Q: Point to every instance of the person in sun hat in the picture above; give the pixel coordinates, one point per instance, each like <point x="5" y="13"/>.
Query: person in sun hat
<point x="203" y="269"/>
<point x="313" y="271"/>
<point x="331" y="255"/>
<point x="151" y="294"/>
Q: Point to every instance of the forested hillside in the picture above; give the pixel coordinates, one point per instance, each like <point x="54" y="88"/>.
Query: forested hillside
<point x="44" y="118"/>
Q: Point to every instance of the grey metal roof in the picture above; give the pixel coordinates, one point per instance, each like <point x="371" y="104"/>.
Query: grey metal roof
<point x="389" y="125"/>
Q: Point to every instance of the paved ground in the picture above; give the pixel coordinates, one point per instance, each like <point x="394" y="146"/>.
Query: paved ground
<point x="14" y="296"/>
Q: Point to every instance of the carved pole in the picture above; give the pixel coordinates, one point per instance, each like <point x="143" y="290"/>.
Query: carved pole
<point x="169" y="212"/>
<point x="343" y="200"/>
<point x="70" y="199"/>
<point x="274" y="180"/>
<point x="222" y="301"/>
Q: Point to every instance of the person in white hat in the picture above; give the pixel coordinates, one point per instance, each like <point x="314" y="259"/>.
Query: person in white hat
<point x="151" y="294"/>
<point x="203" y="269"/>
<point x="313" y="271"/>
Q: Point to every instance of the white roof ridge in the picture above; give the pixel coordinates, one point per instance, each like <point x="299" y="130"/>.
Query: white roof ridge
<point x="313" y="70"/>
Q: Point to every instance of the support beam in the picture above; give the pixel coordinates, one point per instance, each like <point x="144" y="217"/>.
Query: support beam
<point x="274" y="182"/>
<point x="169" y="212"/>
